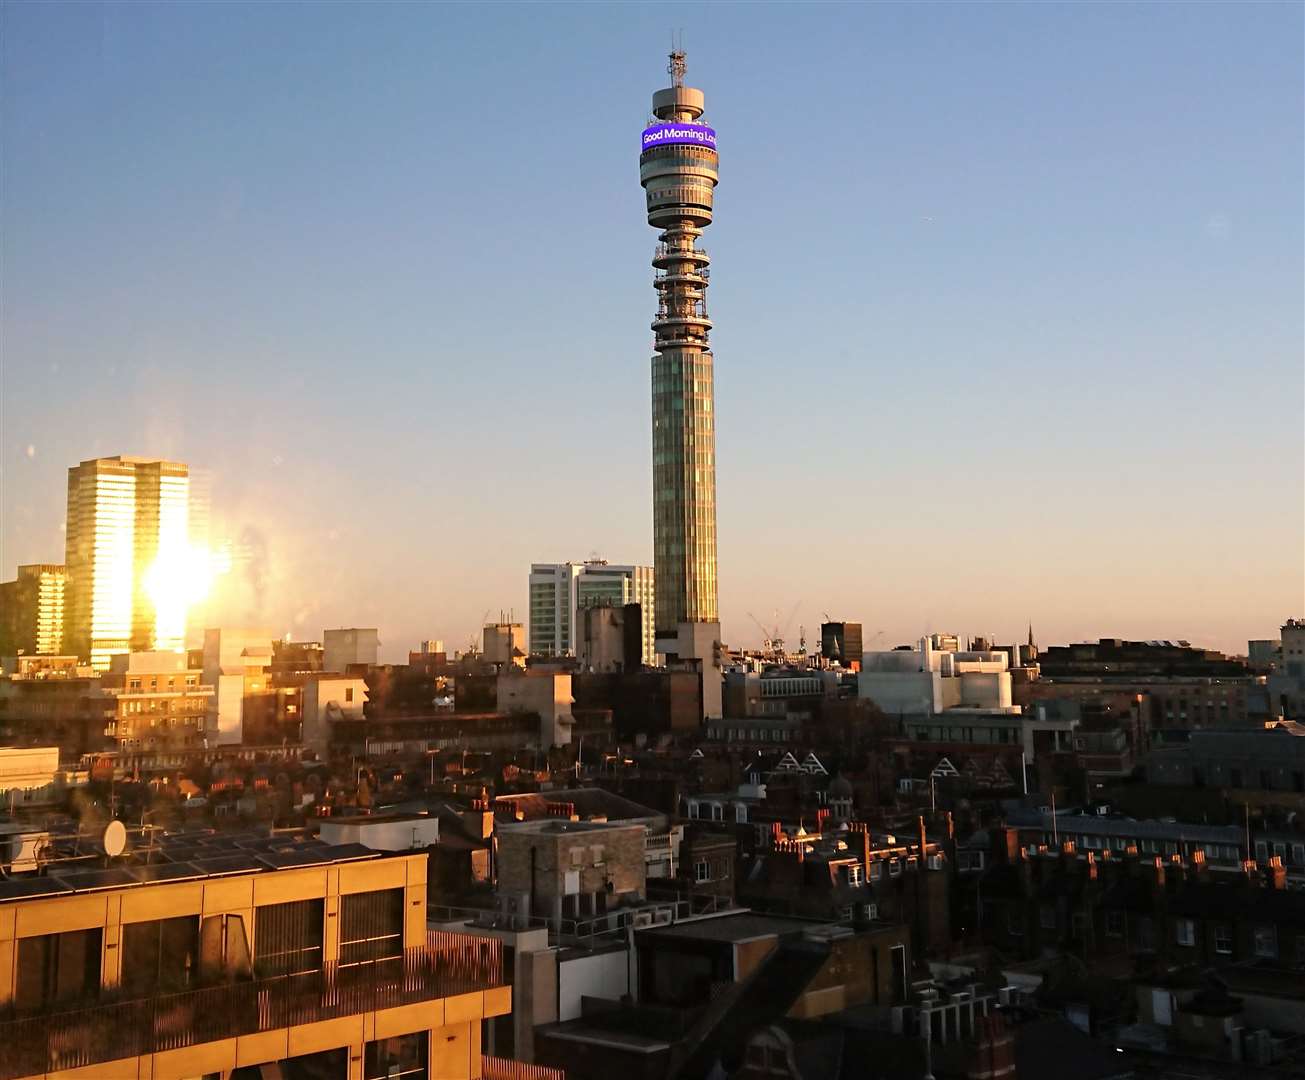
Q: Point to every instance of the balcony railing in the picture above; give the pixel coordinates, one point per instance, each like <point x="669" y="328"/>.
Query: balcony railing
<point x="104" y="1031"/>
<point x="494" y="1068"/>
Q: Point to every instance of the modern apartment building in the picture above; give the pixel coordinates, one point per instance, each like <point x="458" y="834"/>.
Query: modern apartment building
<point x="240" y="957"/>
<point x="559" y="591"/>
<point x="128" y="545"/>
<point x="32" y="611"/>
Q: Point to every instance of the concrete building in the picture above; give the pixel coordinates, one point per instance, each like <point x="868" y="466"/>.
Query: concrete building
<point x="1287" y="682"/>
<point x="328" y="699"/>
<point x="930" y="679"/>
<point x="547" y="694"/>
<point x="265" y="958"/>
<point x="235" y="663"/>
<point x="505" y="644"/>
<point x="343" y="648"/>
<point x="559" y="592"/>
<point x="32" y="611"/>
<point x="612" y="638"/>
<point x="777" y="692"/>
<point x="129" y="561"/>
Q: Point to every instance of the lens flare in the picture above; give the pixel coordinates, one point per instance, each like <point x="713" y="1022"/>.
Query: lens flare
<point x="174" y="583"/>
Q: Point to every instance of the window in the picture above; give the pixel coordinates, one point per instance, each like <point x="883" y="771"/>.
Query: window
<point x="702" y="871"/>
<point x="400" y="1058"/>
<point x="871" y="912"/>
<point x="597" y="853"/>
<point x="1185" y="931"/>
<point x="371" y="926"/>
<point x="1223" y="939"/>
<point x="577" y="856"/>
<point x="348" y="694"/>
<point x="876" y="871"/>
<point x="1145" y="933"/>
<point x="1266" y="942"/>
<point x="894" y="867"/>
<point x="161" y="953"/>
<point x="854" y="874"/>
<point x="288" y="937"/>
<point x="54" y="968"/>
<point x="1114" y="924"/>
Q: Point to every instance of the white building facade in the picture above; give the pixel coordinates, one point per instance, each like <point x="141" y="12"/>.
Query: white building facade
<point x="558" y="591"/>
<point x="933" y="678"/>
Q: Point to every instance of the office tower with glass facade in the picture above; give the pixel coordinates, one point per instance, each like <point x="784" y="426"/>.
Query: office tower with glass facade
<point x="128" y="550"/>
<point x="678" y="171"/>
<point x="31" y="611"/>
<point x="559" y="591"/>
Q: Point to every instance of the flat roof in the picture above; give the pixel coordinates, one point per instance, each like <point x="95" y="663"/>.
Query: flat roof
<point x="199" y="862"/>
<point x="744" y="926"/>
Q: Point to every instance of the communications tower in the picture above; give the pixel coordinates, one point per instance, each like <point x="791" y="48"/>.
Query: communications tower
<point x="678" y="171"/>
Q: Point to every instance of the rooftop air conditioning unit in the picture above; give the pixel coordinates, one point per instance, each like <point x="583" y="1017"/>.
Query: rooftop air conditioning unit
<point x="662" y="916"/>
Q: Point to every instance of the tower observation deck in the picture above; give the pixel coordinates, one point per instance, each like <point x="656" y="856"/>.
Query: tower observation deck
<point x="678" y="171"/>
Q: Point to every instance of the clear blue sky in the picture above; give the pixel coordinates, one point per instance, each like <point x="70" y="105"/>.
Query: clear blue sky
<point x="1008" y="303"/>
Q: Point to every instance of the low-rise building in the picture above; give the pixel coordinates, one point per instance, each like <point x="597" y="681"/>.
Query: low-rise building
<point x="155" y="701"/>
<point x="328" y="700"/>
<point x="211" y="956"/>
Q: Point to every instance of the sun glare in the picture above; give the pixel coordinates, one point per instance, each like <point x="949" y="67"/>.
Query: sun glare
<point x="177" y="581"/>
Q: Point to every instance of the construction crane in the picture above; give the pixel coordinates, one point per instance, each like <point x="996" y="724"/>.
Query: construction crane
<point x="772" y="638"/>
<point x="473" y="646"/>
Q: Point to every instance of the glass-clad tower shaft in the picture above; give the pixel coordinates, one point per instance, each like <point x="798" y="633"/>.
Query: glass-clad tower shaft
<point x="678" y="171"/>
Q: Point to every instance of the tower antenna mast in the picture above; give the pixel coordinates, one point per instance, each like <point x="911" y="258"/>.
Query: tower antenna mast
<point x="677" y="66"/>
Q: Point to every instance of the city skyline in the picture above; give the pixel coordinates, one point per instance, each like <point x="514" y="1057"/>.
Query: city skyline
<point x="948" y="448"/>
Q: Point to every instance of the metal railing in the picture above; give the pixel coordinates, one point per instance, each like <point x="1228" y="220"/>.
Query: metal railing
<point x="493" y="1068"/>
<point x="103" y="1031"/>
<point x="662" y="251"/>
<point x="585" y="932"/>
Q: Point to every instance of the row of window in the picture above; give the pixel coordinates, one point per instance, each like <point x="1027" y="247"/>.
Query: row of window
<point x="750" y="734"/>
<point x="1264" y="937"/>
<point x="159" y="682"/>
<point x="174" y="954"/>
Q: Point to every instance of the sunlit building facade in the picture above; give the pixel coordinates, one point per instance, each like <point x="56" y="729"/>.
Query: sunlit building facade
<point x="678" y="171"/>
<point x="130" y="564"/>
<point x="31" y="611"/>
<point x="560" y="591"/>
<point x="242" y="958"/>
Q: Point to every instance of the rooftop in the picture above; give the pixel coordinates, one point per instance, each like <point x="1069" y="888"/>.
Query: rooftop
<point x="74" y="865"/>
<point x="743" y="926"/>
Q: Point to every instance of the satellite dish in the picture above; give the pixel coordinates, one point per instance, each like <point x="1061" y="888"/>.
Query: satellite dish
<point x="114" y="840"/>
